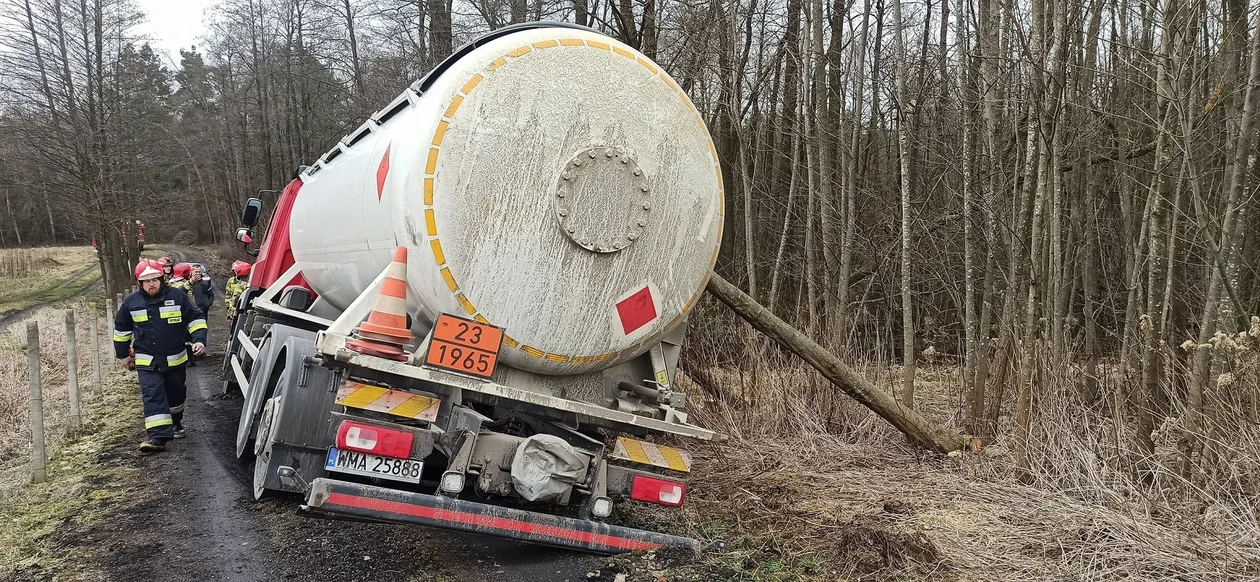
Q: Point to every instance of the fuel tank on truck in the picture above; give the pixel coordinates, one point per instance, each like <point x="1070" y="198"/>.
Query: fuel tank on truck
<point x="549" y="180"/>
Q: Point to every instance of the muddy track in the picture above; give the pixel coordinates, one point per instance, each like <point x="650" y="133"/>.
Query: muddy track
<point x="75" y="277"/>
<point x="193" y="517"/>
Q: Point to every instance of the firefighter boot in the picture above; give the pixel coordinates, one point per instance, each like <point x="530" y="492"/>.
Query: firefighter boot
<point x="152" y="446"/>
<point x="177" y="397"/>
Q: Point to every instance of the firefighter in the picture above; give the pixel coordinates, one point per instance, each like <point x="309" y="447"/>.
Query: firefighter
<point x="167" y="266"/>
<point x="238" y="284"/>
<point x="182" y="272"/>
<point x="149" y="333"/>
<point x="203" y="291"/>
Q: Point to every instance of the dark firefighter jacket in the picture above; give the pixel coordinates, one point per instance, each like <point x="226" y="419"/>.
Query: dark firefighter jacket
<point x="157" y="328"/>
<point x="203" y="294"/>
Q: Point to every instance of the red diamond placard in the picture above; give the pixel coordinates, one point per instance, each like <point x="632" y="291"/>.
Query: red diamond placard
<point x="382" y="171"/>
<point x="636" y="310"/>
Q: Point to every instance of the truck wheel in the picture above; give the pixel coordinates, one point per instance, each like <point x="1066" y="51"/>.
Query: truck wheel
<point x="261" y="385"/>
<point x="262" y="448"/>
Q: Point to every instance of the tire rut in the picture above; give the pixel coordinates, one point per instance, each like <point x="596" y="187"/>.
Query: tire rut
<point x="21" y="314"/>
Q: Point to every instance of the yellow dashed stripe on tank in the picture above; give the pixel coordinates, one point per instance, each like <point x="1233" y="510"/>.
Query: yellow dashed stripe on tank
<point x="440" y="135"/>
<point x="437" y="252"/>
<point x="533" y="351"/>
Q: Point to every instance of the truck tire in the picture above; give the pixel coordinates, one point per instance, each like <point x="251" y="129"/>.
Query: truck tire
<point x="284" y="421"/>
<point x="261" y="385"/>
<point x="263" y="441"/>
<point x="264" y="375"/>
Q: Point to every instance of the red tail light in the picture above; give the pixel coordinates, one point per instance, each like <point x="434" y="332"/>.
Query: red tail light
<point x="365" y="438"/>
<point x="658" y="491"/>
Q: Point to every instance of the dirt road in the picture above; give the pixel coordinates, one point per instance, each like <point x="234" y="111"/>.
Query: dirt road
<point x="194" y="517"/>
<point x="81" y="280"/>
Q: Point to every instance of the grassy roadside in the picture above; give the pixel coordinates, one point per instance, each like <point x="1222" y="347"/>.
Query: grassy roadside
<point x="35" y="276"/>
<point x="820" y="509"/>
<point x="810" y="504"/>
<point x="86" y="464"/>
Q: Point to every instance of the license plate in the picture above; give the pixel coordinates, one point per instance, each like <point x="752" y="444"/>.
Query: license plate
<point x="373" y="466"/>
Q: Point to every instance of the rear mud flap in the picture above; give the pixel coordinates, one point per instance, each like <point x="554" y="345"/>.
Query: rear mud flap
<point x="342" y="498"/>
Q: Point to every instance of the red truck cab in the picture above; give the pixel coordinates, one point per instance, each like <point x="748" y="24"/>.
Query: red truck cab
<point x="275" y="254"/>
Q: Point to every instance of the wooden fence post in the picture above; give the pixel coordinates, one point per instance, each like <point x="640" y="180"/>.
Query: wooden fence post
<point x="96" y="346"/>
<point x="39" y="458"/>
<point x="72" y="371"/>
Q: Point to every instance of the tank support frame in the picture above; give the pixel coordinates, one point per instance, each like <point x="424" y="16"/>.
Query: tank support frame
<point x="331" y="345"/>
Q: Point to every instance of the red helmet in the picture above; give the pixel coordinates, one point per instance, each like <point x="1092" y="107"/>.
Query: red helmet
<point x="240" y="268"/>
<point x="164" y="261"/>
<point x="183" y="270"/>
<point x="148" y="269"/>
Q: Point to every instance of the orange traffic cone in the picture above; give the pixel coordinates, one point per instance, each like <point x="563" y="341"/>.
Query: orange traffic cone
<point x="385" y="331"/>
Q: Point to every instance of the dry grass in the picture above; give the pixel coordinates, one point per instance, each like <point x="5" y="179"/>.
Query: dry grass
<point x="813" y="486"/>
<point x="833" y="509"/>
<point x="32" y="516"/>
<point x="15" y="263"/>
<point x="29" y="276"/>
<point x="15" y="446"/>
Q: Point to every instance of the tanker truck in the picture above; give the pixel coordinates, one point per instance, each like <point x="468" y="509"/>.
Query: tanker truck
<point x="468" y="313"/>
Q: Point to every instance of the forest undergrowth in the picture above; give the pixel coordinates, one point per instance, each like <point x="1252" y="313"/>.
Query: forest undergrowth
<point x="812" y="485"/>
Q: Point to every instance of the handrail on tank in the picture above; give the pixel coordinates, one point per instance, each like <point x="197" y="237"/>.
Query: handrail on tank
<point x="422" y="85"/>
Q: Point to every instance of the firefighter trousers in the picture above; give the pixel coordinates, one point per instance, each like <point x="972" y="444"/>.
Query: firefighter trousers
<point x="163" y="393"/>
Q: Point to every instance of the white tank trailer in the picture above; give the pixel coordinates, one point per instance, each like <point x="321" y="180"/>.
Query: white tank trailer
<point x="553" y="182"/>
<point x="548" y="181"/>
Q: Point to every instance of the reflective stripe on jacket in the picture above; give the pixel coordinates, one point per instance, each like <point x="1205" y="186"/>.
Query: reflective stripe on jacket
<point x="235" y="287"/>
<point x="158" y="328"/>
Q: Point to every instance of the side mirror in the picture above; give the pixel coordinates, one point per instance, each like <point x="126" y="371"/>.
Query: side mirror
<point x="249" y="215"/>
<point x="246" y="236"/>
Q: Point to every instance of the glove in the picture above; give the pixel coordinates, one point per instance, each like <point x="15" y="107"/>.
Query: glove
<point x="199" y="349"/>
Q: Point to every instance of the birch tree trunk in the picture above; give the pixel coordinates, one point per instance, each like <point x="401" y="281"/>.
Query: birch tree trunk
<point x="1239" y="178"/>
<point x="1047" y="126"/>
<point x="905" y="117"/>
<point x="852" y="177"/>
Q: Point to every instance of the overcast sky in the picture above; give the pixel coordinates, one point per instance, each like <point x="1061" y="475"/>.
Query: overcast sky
<point x="173" y="24"/>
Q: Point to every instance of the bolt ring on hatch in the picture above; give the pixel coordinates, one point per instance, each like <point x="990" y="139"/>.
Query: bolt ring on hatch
<point x="602" y="199"/>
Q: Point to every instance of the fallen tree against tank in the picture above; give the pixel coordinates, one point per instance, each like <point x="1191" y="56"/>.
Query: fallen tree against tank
<point x="905" y="419"/>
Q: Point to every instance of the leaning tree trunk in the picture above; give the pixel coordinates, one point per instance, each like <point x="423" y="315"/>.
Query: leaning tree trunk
<point x="905" y="419"/>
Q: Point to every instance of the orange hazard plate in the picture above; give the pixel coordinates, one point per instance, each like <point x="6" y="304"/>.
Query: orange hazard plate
<point x="464" y="346"/>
